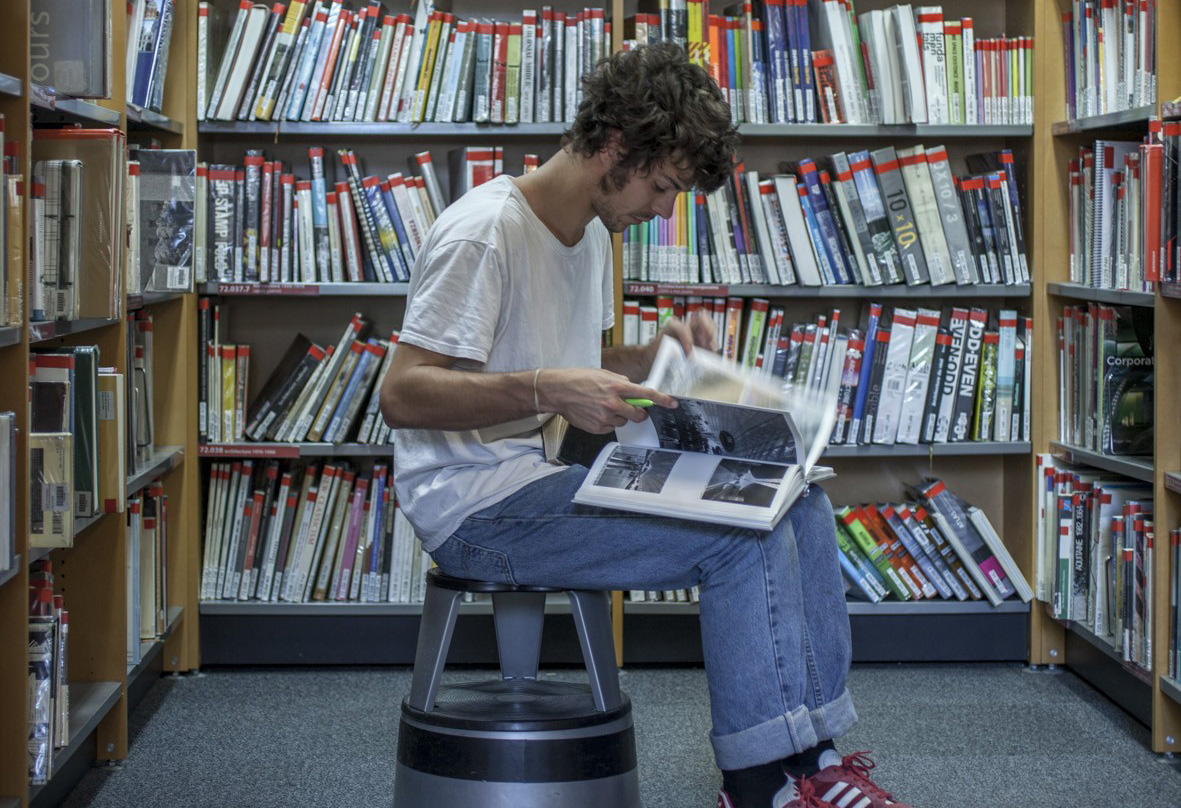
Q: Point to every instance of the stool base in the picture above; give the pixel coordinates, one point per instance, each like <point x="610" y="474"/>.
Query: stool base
<point x="413" y="789"/>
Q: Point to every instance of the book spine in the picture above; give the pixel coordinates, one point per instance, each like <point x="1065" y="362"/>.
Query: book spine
<point x="900" y="215"/>
<point x="965" y="397"/>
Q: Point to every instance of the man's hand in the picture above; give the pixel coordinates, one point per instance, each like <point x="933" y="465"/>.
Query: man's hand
<point x="698" y="332"/>
<point x="593" y="399"/>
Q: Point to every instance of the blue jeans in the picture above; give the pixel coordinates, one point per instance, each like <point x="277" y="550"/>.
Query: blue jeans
<point x="774" y="625"/>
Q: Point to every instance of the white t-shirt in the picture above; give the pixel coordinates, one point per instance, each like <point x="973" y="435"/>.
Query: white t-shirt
<point x="494" y="288"/>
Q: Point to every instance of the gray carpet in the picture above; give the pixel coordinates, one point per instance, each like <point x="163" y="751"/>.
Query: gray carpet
<point x="944" y="736"/>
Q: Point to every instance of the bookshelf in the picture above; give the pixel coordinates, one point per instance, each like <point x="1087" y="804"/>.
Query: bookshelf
<point x="1149" y="695"/>
<point x="91" y="575"/>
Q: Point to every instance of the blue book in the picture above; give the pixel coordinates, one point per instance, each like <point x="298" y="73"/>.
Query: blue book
<point x="350" y="390"/>
<point x="391" y="206"/>
<point x="817" y="236"/>
<point x="871" y="341"/>
<point x="828" y="227"/>
<point x="387" y="237"/>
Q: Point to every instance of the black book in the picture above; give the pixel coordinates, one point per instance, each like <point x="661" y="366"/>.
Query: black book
<point x="873" y="392"/>
<point x="204" y="334"/>
<point x="900" y="215"/>
<point x="222" y="202"/>
<point x="994" y="193"/>
<point x="965" y="401"/>
<point x="839" y="225"/>
<point x="287" y="395"/>
<point x="281" y="378"/>
<point x="274" y="22"/>
<point x="253" y="213"/>
<point x="977" y="198"/>
<point x="270" y="482"/>
<point x="943" y="341"/>
<point x="240" y="224"/>
<point x="979" y="252"/>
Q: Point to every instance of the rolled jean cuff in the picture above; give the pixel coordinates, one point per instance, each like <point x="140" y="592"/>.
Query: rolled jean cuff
<point x="784" y="735"/>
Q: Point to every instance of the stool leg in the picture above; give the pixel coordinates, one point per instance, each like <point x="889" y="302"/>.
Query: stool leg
<point x="592" y="617"/>
<point x="434" y="638"/>
<point x="518" y="617"/>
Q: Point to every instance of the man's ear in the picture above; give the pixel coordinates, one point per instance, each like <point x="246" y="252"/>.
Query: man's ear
<point x="612" y="151"/>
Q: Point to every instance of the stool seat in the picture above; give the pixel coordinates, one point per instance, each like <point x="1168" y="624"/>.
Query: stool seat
<point x="515" y="741"/>
<point x="437" y="577"/>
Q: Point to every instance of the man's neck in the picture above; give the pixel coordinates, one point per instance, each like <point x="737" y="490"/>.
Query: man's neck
<point x="559" y="194"/>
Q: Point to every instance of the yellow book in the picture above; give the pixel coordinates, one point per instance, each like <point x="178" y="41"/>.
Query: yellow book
<point x="427" y="67"/>
<point x="277" y="65"/>
<point x="229" y="389"/>
<point x="16" y="256"/>
<point x="51" y="489"/>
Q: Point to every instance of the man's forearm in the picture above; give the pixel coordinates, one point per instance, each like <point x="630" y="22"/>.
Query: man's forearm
<point x="633" y="361"/>
<point x="449" y="399"/>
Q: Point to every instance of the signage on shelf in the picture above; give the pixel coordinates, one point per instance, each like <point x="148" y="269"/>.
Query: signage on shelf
<point x="309" y="289"/>
<point x="703" y="289"/>
<point x="248" y="450"/>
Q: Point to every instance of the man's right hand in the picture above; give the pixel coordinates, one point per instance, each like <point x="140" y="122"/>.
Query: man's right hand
<point x="593" y="399"/>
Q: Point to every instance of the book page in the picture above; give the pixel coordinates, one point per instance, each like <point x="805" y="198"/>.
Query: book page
<point x="718" y="428"/>
<point x="809" y="414"/>
<point x="690" y="485"/>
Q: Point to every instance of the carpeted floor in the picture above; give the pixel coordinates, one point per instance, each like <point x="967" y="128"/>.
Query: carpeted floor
<point x="944" y="736"/>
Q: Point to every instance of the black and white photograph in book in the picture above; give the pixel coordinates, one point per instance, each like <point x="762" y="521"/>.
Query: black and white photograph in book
<point x="748" y="483"/>
<point x="711" y="427"/>
<point x="635" y="469"/>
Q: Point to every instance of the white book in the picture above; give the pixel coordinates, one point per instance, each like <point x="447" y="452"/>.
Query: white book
<point x="915" y="94"/>
<point x="274" y="535"/>
<point x="218" y="473"/>
<point x="930" y="29"/>
<point x="445" y="105"/>
<point x="802" y="250"/>
<point x="239" y="74"/>
<point x="409" y="85"/>
<point x="318" y="531"/>
<point x="780" y="256"/>
<point x="984" y="527"/>
<point x="885" y="425"/>
<point x="916" y="176"/>
<point x="918" y="375"/>
<point x="1005" y="369"/>
<point x="968" y="46"/>
<point x="304" y="504"/>
<point x="767" y="266"/>
<point x="876" y="28"/>
<point x="231" y="578"/>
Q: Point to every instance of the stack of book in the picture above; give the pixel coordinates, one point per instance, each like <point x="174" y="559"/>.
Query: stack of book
<point x="266" y="225"/>
<point x="316" y="393"/>
<point x="1115" y="214"/>
<point x="162" y="218"/>
<point x="63" y="443"/>
<point x="73" y="54"/>
<point x="1105" y="379"/>
<point x="1110" y="50"/>
<point x="49" y="689"/>
<point x="76" y="224"/>
<point x="8" y="451"/>
<point x="937" y="546"/>
<point x="275" y="532"/>
<point x="149" y="35"/>
<point x="795" y="61"/>
<point x="910" y="375"/>
<point x="1095" y="546"/>
<point x="147" y="565"/>
<point x="324" y="61"/>
<point x="865" y="218"/>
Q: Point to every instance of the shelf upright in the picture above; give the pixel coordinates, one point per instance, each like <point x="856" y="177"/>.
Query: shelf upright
<point x="14" y="369"/>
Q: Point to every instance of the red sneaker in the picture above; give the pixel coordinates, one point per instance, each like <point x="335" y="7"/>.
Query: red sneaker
<point x="796" y="794"/>
<point x="848" y="785"/>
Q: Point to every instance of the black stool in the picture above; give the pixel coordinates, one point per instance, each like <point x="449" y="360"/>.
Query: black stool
<point x="515" y="742"/>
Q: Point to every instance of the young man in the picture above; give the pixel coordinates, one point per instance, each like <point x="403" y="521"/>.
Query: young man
<point x="503" y="324"/>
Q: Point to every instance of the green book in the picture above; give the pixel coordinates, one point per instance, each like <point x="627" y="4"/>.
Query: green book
<point x="847" y="521"/>
<point x="986" y="388"/>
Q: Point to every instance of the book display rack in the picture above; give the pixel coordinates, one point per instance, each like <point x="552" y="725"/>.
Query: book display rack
<point x="1145" y="687"/>
<point x="108" y="666"/>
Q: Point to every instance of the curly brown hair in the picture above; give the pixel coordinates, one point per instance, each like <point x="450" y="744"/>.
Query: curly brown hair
<point x="665" y="107"/>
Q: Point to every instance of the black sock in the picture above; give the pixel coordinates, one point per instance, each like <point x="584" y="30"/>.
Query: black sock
<point x="806" y="763"/>
<point x="754" y="787"/>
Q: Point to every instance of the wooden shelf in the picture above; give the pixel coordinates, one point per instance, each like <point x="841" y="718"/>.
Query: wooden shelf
<point x="905" y="130"/>
<point x="166" y="459"/>
<point x="1118" y="297"/>
<point x="961" y="449"/>
<point x="1126" y="119"/>
<point x="305" y="289"/>
<point x="47" y="108"/>
<point x="149" y="649"/>
<point x="289" y="450"/>
<point x="1173" y="481"/>
<point x="12" y="572"/>
<point x="89" y="704"/>
<point x="10" y="335"/>
<point x="457" y="131"/>
<point x="994" y="290"/>
<point x="11" y="85"/>
<point x="82" y="523"/>
<point x="139" y="118"/>
<point x="138" y="301"/>
<point x="1171" y="688"/>
<point x="1134" y="467"/>
<point x="52" y="329"/>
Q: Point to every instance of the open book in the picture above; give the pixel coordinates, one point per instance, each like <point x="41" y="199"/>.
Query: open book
<point x="737" y="451"/>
